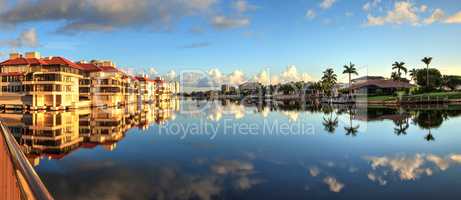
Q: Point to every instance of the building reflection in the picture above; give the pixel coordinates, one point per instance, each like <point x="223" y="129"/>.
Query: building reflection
<point x="54" y="135"/>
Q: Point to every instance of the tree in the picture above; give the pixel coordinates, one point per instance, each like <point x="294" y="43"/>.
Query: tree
<point x="316" y="88"/>
<point x="451" y="82"/>
<point x="350" y="69"/>
<point x="399" y="66"/>
<point x="413" y="73"/>
<point x="433" y="74"/>
<point x="395" y="76"/>
<point x="427" y="61"/>
<point x="328" y="81"/>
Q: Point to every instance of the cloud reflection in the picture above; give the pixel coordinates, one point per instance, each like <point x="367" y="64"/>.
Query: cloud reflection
<point x="409" y="167"/>
<point x="333" y="184"/>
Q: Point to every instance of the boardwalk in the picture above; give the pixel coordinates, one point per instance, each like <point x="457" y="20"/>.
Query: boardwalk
<point x="18" y="179"/>
<point x="9" y="186"/>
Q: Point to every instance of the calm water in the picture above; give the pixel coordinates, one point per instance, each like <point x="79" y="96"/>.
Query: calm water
<point x="221" y="150"/>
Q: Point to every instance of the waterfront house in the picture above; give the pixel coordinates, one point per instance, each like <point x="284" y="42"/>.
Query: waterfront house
<point x="379" y="87"/>
<point x="250" y="88"/>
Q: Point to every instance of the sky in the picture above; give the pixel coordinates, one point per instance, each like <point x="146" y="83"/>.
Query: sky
<point x="237" y="40"/>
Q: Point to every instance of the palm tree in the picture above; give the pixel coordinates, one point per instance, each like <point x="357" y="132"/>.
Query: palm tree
<point x="399" y="66"/>
<point x="329" y="80"/>
<point x="350" y="69"/>
<point x="427" y="61"/>
<point x="395" y="76"/>
<point x="413" y="74"/>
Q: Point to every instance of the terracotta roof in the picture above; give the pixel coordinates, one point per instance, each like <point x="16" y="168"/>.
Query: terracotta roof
<point x="109" y="69"/>
<point x="364" y="78"/>
<point x="43" y="61"/>
<point x="382" y="84"/>
<point x="89" y="67"/>
<point x="140" y="78"/>
<point x="61" y="61"/>
<point x="23" y="61"/>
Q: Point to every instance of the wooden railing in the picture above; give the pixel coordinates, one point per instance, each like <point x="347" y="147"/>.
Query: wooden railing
<point x="18" y="178"/>
<point x="423" y="99"/>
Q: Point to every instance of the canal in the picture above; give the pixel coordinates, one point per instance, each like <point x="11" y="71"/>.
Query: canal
<point x="225" y="150"/>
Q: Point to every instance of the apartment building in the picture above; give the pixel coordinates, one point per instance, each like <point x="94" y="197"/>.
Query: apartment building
<point x="55" y="83"/>
<point x="147" y="89"/>
<point x="35" y="83"/>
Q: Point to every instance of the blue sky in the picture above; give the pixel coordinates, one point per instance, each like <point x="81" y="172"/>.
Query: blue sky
<point x="246" y="35"/>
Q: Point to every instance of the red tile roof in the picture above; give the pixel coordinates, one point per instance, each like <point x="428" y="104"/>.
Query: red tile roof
<point x="89" y="67"/>
<point x="140" y="78"/>
<point x="23" y="61"/>
<point x="61" y="61"/>
<point x="43" y="61"/>
<point x="109" y="69"/>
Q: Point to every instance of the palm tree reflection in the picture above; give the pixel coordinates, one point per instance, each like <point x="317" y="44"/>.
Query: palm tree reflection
<point x="402" y="124"/>
<point x="330" y="124"/>
<point x="351" y="130"/>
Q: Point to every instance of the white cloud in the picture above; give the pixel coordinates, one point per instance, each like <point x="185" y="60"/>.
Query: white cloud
<point x="215" y="74"/>
<point x="327" y="4"/>
<point x="368" y="6"/>
<point x="152" y="71"/>
<point x="263" y="77"/>
<point x="310" y="14"/>
<point x="454" y="19"/>
<point x="333" y="184"/>
<point x="423" y="8"/>
<point x="224" y="22"/>
<point x="436" y="16"/>
<point x="171" y="75"/>
<point x="243" y="6"/>
<point x="404" y="13"/>
<point x="236" y="78"/>
<point x="291" y="74"/>
<point x="104" y="15"/>
<point x="27" y="38"/>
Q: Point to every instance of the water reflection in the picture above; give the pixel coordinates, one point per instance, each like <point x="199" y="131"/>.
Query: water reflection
<point x="54" y="135"/>
<point x="355" y="152"/>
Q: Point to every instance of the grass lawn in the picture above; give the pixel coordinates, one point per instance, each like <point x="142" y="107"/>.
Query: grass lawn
<point x="381" y="98"/>
<point x="450" y="95"/>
